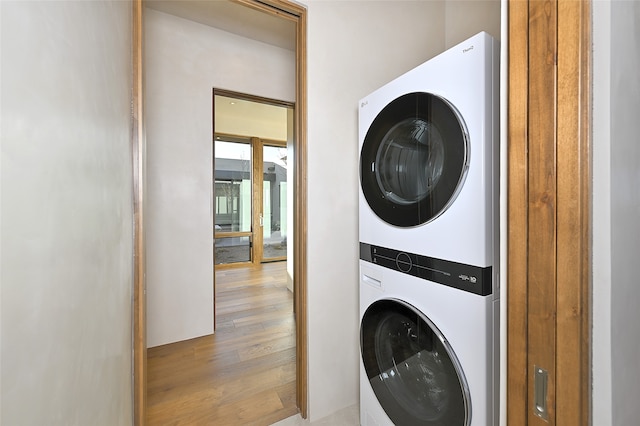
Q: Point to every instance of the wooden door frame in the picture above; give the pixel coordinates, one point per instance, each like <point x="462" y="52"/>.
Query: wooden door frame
<point x="139" y="283"/>
<point x="283" y="9"/>
<point x="549" y="228"/>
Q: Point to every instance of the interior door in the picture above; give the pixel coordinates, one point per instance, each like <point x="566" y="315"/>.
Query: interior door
<point x="233" y="201"/>
<point x="548" y="214"/>
<point x="250" y="200"/>
<point x="273" y="216"/>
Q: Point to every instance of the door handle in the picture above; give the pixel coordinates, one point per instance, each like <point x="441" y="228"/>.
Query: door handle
<point x="261" y="220"/>
<point x="540" y="376"/>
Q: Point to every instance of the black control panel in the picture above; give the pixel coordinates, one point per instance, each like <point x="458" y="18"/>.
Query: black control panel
<point x="469" y="278"/>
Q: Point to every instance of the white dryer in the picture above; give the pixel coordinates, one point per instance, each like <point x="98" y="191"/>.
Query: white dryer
<point x="428" y="235"/>
<point x="429" y="157"/>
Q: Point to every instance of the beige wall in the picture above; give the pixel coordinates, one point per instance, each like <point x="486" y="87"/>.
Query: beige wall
<point x="66" y="213"/>
<point x="184" y="62"/>
<point x="465" y="18"/>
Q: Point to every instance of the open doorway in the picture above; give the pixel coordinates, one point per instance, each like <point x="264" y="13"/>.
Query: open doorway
<point x="142" y="139"/>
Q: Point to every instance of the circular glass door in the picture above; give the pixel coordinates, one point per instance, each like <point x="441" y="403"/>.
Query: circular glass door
<point x="414" y="159"/>
<point x="412" y="369"/>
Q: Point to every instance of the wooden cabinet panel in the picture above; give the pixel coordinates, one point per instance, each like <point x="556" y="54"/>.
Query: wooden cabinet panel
<point x="549" y="223"/>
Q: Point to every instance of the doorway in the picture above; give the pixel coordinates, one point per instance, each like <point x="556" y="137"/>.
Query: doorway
<point x="282" y="10"/>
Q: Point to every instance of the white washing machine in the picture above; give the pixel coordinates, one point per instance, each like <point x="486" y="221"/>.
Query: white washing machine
<point x="429" y="352"/>
<point x="429" y="243"/>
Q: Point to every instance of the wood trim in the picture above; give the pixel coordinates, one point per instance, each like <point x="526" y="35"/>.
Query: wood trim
<point x="517" y="212"/>
<point x="573" y="152"/>
<point x="274" y="142"/>
<point x="252" y="98"/>
<point x="228" y="137"/>
<point x="139" y="285"/>
<point x="223" y="234"/>
<point x="300" y="209"/>
<point x="234" y="265"/>
<point x="281" y="8"/>
<point x="274" y="259"/>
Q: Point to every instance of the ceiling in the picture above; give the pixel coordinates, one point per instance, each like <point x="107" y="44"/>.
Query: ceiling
<point x="248" y="118"/>
<point x="234" y="18"/>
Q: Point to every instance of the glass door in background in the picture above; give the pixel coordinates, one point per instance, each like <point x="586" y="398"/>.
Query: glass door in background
<point x="250" y="196"/>
<point x="233" y="169"/>
<point x="273" y="217"/>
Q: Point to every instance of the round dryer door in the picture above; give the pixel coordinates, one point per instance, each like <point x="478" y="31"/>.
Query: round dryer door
<point x="414" y="159"/>
<point x="412" y="369"/>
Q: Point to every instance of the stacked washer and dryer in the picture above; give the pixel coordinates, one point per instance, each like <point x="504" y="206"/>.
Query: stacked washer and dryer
<point x="428" y="231"/>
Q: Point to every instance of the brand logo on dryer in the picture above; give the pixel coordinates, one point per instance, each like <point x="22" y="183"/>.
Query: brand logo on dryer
<point x="467" y="49"/>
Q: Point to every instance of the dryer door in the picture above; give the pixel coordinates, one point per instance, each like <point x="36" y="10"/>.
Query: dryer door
<point x="414" y="159"/>
<point x="412" y="369"/>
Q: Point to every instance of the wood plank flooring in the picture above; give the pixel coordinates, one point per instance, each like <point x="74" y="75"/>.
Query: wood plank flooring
<point x="244" y="374"/>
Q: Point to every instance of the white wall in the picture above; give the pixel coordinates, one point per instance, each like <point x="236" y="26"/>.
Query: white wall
<point x="616" y="208"/>
<point x="353" y="48"/>
<point x="601" y="219"/>
<point x="625" y="211"/>
<point x="66" y="213"/>
<point x="184" y="61"/>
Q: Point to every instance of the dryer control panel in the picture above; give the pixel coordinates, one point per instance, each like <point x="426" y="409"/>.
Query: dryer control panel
<point x="473" y="279"/>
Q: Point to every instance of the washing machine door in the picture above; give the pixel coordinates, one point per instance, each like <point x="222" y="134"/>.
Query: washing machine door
<point x="414" y="159"/>
<point x="412" y="369"/>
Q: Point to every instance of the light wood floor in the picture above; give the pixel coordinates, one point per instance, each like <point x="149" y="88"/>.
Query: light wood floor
<point x="244" y="374"/>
